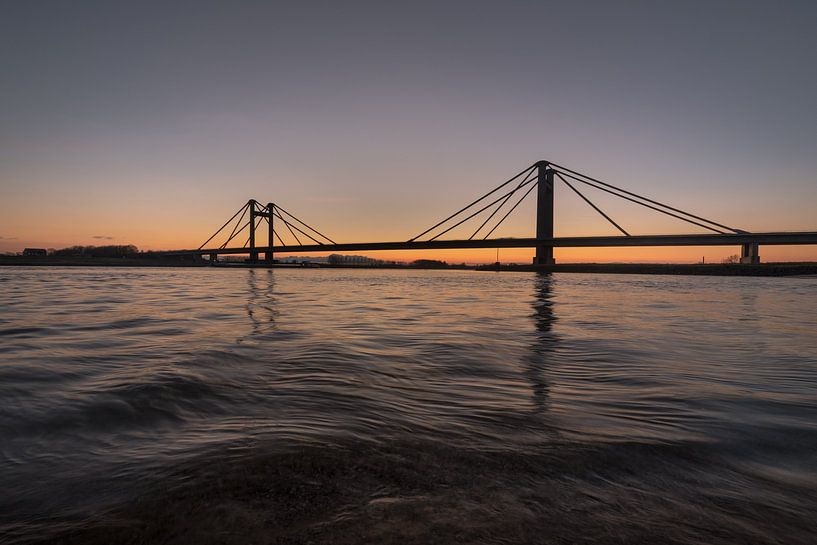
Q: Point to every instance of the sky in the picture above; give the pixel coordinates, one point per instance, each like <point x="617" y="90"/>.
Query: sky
<point x="150" y="123"/>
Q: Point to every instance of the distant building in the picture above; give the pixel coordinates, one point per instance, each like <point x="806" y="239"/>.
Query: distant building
<point x="29" y="252"/>
<point x="302" y="259"/>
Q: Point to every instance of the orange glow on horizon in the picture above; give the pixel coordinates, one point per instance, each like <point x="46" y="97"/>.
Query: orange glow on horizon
<point x="153" y="223"/>
<point x="709" y="254"/>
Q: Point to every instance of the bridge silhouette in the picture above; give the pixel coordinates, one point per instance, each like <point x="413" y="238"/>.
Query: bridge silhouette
<point x="487" y="213"/>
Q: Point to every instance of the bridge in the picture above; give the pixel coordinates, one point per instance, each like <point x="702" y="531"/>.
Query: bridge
<point x="488" y="212"/>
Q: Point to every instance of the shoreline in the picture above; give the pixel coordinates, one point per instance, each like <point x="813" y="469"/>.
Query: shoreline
<point x="789" y="269"/>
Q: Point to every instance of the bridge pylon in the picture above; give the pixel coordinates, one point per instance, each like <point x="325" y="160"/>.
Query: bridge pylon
<point x="257" y="214"/>
<point x="268" y="257"/>
<point x="253" y="214"/>
<point x="268" y="213"/>
<point x="544" y="213"/>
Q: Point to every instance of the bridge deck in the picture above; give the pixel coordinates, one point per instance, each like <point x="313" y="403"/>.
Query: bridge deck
<point x="778" y="238"/>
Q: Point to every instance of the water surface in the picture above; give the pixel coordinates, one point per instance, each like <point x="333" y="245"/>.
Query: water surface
<point x="361" y="406"/>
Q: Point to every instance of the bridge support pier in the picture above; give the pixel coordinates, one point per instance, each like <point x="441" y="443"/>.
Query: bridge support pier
<point x="213" y="258"/>
<point x="749" y="253"/>
<point x="544" y="213"/>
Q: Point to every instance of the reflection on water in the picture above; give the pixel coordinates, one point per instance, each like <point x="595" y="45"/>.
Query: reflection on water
<point x="261" y="308"/>
<point x="545" y="340"/>
<point x="354" y="406"/>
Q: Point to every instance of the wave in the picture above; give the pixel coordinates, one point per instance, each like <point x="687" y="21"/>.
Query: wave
<point x="412" y="491"/>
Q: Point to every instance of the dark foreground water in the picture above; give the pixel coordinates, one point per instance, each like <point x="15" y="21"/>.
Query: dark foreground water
<point x="335" y="406"/>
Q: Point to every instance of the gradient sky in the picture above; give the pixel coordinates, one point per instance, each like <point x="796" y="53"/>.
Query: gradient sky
<point x="151" y="122"/>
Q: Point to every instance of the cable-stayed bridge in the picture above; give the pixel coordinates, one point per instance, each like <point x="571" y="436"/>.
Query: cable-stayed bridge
<point x="286" y="233"/>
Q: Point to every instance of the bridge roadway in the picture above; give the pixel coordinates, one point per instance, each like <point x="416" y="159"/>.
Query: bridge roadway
<point x="778" y="238"/>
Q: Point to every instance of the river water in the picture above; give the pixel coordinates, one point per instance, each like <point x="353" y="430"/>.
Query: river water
<point x="402" y="406"/>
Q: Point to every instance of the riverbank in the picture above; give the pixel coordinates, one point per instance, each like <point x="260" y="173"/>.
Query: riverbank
<point x="715" y="269"/>
<point x="79" y="261"/>
<point x="174" y="261"/>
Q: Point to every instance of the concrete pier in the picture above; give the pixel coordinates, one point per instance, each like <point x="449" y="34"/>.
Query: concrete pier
<point x="749" y="253"/>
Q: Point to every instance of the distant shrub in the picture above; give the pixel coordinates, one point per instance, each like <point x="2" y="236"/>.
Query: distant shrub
<point x="731" y="259"/>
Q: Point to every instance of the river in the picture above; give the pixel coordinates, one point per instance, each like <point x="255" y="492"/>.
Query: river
<point x="223" y="405"/>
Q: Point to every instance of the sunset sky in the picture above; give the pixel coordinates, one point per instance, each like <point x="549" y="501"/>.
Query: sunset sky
<point x="151" y="122"/>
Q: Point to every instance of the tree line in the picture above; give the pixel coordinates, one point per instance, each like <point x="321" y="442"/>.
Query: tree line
<point x="117" y="250"/>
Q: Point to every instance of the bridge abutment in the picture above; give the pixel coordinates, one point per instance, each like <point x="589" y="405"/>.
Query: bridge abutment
<point x="544" y="213"/>
<point x="750" y="253"/>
